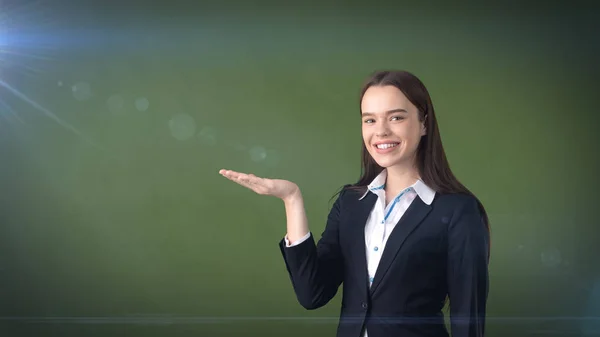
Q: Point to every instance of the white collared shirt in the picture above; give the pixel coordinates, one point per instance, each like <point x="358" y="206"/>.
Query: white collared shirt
<point x="382" y="219"/>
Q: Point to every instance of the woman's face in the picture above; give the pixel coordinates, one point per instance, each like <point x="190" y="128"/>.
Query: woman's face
<point x="391" y="128"/>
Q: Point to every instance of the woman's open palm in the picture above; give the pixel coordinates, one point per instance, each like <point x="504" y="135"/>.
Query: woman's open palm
<point x="279" y="188"/>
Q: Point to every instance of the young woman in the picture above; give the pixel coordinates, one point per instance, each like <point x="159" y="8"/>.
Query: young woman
<point x="402" y="240"/>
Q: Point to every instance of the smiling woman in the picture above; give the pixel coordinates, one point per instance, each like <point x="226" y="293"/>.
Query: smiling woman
<point x="403" y="239"/>
<point x="397" y="108"/>
<point x="392" y="128"/>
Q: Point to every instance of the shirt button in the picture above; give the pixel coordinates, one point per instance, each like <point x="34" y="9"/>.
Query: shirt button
<point x="376" y="248"/>
<point x="382" y="221"/>
<point x="364" y="305"/>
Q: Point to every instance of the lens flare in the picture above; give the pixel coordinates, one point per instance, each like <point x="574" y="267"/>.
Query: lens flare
<point x="28" y="55"/>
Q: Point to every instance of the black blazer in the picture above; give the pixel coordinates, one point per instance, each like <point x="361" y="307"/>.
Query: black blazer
<point x="434" y="251"/>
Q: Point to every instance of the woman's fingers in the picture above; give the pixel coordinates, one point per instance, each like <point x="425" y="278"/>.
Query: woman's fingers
<point x="247" y="178"/>
<point x="232" y="175"/>
<point x="250" y="181"/>
<point x="229" y="174"/>
<point x="264" y="186"/>
<point x="258" y="185"/>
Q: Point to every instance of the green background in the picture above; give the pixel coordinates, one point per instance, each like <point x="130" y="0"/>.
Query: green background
<point x="115" y="119"/>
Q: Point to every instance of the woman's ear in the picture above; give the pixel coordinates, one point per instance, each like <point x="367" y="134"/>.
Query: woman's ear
<point x="423" y="127"/>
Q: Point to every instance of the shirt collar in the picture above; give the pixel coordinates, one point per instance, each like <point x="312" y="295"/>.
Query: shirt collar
<point x="423" y="191"/>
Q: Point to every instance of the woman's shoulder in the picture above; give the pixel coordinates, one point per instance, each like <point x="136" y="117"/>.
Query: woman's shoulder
<point x="453" y="200"/>
<point x="456" y="201"/>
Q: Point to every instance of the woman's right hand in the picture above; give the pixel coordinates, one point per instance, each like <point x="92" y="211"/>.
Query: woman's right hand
<point x="282" y="189"/>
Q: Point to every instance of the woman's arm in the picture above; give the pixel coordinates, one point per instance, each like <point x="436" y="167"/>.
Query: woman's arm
<point x="316" y="271"/>
<point x="297" y="223"/>
<point x="468" y="270"/>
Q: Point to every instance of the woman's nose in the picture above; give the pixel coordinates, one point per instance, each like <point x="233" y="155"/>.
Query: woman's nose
<point x="382" y="130"/>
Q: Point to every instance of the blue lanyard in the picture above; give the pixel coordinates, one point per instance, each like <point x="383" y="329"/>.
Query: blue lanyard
<point x="395" y="202"/>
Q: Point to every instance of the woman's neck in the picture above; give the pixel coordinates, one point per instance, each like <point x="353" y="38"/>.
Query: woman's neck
<point x="398" y="179"/>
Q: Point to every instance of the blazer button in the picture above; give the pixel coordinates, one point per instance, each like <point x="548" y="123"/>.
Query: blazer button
<point x="364" y="305"/>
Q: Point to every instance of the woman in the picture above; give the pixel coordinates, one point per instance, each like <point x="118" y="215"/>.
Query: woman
<point x="403" y="239"/>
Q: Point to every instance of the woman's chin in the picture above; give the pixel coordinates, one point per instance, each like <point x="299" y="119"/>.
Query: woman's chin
<point x="385" y="163"/>
<point x="391" y="161"/>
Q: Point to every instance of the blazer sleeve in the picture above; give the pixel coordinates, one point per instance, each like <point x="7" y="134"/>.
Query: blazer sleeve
<point x="468" y="280"/>
<point x="316" y="270"/>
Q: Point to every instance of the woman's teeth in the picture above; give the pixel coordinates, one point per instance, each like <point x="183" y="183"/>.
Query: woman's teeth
<point x="386" y="146"/>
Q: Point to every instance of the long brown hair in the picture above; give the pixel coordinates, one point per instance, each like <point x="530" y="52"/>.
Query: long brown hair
<point x="431" y="160"/>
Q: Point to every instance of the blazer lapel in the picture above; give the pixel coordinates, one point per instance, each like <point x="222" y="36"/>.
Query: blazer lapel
<point x="413" y="216"/>
<point x="360" y="210"/>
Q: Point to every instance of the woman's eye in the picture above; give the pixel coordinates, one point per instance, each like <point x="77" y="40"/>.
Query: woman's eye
<point x="369" y="121"/>
<point x="397" y="118"/>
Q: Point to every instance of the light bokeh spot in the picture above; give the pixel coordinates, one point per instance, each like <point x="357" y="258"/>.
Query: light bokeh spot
<point x="82" y="91"/>
<point x="551" y="258"/>
<point x="258" y="153"/>
<point x="142" y="104"/>
<point x="208" y="136"/>
<point x="182" y="126"/>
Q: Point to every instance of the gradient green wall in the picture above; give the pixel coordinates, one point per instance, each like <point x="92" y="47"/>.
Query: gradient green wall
<point x="114" y="122"/>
